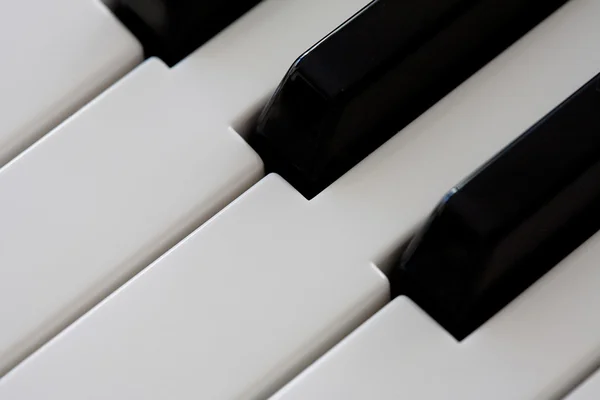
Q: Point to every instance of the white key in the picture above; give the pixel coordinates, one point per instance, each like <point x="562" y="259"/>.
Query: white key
<point x="119" y="183"/>
<point x="56" y="56"/>
<point x="588" y="390"/>
<point x="101" y="196"/>
<point x="212" y="319"/>
<point x="292" y="277"/>
<point x="538" y="347"/>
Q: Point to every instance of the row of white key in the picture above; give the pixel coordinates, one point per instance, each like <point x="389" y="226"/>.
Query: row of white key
<point x="56" y="56"/>
<point x="271" y="282"/>
<point x="99" y="198"/>
<point x="538" y="347"/>
<point x="136" y="170"/>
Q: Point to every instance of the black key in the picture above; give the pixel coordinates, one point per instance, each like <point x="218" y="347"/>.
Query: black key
<point x="172" y="29"/>
<point x="375" y="74"/>
<point x="505" y="226"/>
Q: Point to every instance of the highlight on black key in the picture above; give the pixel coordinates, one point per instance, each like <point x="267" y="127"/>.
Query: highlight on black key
<point x="510" y="222"/>
<point x="375" y="74"/>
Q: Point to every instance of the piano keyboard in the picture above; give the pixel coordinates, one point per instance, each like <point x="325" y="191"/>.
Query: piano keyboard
<point x="152" y="247"/>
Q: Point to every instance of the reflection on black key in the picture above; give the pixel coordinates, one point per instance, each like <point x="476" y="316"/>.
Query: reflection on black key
<point x="375" y="74"/>
<point x="504" y="227"/>
<point x="171" y="29"/>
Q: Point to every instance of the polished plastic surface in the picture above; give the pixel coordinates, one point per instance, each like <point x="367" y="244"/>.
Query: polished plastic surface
<point x="375" y="74"/>
<point x="172" y="29"/>
<point x="55" y="56"/>
<point x="291" y="273"/>
<point x="514" y="219"/>
<point x="539" y="347"/>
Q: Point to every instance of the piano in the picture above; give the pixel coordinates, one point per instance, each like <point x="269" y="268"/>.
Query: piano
<point x="300" y="199"/>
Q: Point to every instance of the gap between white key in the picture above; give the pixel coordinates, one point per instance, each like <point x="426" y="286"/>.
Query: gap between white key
<point x="56" y="56"/>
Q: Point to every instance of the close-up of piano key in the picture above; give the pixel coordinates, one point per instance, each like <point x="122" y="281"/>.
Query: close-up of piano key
<point x="588" y="390"/>
<point x="538" y="347"/>
<point x="171" y="29"/>
<point x="375" y="74"/>
<point x="509" y="223"/>
<point x="241" y="200"/>
<point x="54" y="60"/>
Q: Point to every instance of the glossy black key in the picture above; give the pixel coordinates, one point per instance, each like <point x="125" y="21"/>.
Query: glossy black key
<point x="509" y="223"/>
<point x="375" y="74"/>
<point x="171" y="29"/>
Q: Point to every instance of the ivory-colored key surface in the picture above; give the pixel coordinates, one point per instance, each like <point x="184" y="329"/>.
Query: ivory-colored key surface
<point x="123" y="180"/>
<point x="213" y="318"/>
<point x="257" y="293"/>
<point x="537" y="348"/>
<point x="100" y="197"/>
<point x="56" y="56"/>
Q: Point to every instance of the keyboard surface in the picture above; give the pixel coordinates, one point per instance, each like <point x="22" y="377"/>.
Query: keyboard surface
<point x="54" y="60"/>
<point x="144" y="253"/>
<point x="538" y="347"/>
<point x="100" y="197"/>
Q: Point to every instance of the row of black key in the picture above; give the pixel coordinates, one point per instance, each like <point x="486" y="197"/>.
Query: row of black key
<point x="493" y="235"/>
